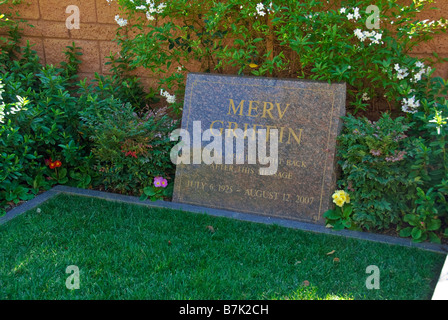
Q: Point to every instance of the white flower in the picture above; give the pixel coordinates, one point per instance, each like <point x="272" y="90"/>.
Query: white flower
<point x="410" y="105"/>
<point x="419" y="64"/>
<point x="121" y="22"/>
<point x="142" y="7"/>
<point x="365" y="96"/>
<point x="169" y="98"/>
<point x="160" y="7"/>
<point x="342" y="10"/>
<point x="401" y="76"/>
<point x="405" y="108"/>
<point x="417" y="77"/>
<point x="358" y="33"/>
<point x="350" y="16"/>
<point x="402" y="72"/>
<point x="356" y="14"/>
<point x="38" y="210"/>
<point x="260" y="8"/>
<point x="149" y="16"/>
<point x="378" y="36"/>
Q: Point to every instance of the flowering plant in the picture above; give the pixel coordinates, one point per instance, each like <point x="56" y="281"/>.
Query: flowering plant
<point x="157" y="191"/>
<point x="344" y="40"/>
<point x="340" y="217"/>
<point x="128" y="147"/>
<point x="374" y="157"/>
<point x="33" y="128"/>
<point x="340" y="197"/>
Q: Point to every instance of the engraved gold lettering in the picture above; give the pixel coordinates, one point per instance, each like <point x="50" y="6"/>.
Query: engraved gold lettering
<point x="220" y="130"/>
<point x="235" y="110"/>
<point x="267" y="110"/>
<point x="249" y="113"/>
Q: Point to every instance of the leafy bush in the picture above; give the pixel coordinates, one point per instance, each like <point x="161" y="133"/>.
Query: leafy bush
<point x="396" y="169"/>
<point x="54" y="130"/>
<point x="129" y="150"/>
<point x="424" y="220"/>
<point x="429" y="165"/>
<point x="373" y="158"/>
<point x="322" y="40"/>
<point x="41" y="125"/>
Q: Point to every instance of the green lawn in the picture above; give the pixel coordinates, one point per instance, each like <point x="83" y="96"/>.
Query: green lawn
<point x="133" y="252"/>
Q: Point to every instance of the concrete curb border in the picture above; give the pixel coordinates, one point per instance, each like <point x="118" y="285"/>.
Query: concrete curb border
<point x="253" y="218"/>
<point x="440" y="293"/>
<point x="305" y="226"/>
<point x="30" y="204"/>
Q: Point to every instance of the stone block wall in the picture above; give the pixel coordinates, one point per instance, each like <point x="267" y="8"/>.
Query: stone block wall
<point x="97" y="30"/>
<point x="50" y="35"/>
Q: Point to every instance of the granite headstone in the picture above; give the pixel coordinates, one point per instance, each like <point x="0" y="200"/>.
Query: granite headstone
<point x="306" y="115"/>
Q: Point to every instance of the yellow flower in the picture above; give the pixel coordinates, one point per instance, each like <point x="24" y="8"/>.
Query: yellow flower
<point x="253" y="65"/>
<point x="340" y="197"/>
<point x="339" y="202"/>
<point x="336" y="194"/>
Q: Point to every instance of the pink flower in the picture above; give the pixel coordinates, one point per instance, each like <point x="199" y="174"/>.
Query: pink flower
<point x="160" y="182"/>
<point x="157" y="181"/>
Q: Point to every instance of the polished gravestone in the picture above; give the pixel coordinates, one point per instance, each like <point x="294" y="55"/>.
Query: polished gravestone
<point x="306" y="115"/>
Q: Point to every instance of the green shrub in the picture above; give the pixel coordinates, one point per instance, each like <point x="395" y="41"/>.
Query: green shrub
<point x="396" y="169"/>
<point x="43" y="125"/>
<point x="373" y="157"/>
<point x="129" y="150"/>
<point x="429" y="165"/>
<point x="322" y="40"/>
<point x="424" y="219"/>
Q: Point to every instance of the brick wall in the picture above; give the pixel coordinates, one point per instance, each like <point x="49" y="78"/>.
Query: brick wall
<point x="439" y="43"/>
<point x="97" y="29"/>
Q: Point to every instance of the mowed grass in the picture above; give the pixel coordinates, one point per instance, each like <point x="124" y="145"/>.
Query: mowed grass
<point x="132" y="252"/>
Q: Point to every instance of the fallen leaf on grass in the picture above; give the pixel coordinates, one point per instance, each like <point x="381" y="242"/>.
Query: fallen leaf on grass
<point x="297" y="262"/>
<point x="331" y="252"/>
<point x="305" y="283"/>
<point x="336" y="260"/>
<point x="212" y="230"/>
